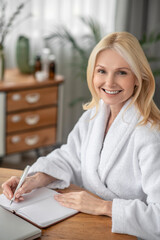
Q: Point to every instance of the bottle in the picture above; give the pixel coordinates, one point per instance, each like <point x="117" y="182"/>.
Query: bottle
<point x="45" y="61"/>
<point x="38" y="64"/>
<point x="52" y="66"/>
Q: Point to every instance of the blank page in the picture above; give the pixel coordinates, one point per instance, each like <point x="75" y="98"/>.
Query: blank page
<point x="45" y="212"/>
<point x="29" y="198"/>
<point x="39" y="207"/>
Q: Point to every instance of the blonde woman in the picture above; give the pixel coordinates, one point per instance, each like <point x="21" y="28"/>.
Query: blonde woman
<point x="114" y="149"/>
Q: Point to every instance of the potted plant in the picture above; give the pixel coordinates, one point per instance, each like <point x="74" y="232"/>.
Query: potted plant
<point x="6" y="26"/>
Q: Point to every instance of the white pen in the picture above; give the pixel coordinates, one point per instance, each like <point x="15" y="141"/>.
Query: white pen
<point x="23" y="177"/>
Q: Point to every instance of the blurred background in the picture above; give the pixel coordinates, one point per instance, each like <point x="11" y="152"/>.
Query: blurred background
<point x="70" y="29"/>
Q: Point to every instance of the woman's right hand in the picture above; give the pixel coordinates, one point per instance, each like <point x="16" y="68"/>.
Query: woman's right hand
<point x="37" y="180"/>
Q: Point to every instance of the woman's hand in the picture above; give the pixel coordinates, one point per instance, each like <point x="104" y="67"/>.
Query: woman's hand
<point x="30" y="183"/>
<point x="85" y="202"/>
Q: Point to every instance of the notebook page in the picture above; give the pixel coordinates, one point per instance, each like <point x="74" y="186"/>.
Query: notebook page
<point x="29" y="198"/>
<point x="45" y="212"/>
<point x="4" y="202"/>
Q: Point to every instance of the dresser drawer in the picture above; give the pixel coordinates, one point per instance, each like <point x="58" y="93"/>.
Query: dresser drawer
<point x="21" y="100"/>
<point x="30" y="140"/>
<point x="32" y="119"/>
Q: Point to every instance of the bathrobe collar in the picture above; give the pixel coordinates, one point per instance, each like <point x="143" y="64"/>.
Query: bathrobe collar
<point x="102" y="152"/>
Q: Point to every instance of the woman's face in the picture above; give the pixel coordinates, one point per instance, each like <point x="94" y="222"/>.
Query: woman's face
<point x="113" y="79"/>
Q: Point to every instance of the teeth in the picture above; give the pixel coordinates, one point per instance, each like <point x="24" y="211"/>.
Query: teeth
<point x="111" y="92"/>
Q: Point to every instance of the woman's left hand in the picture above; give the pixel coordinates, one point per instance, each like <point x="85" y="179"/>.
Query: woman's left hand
<point x="85" y="202"/>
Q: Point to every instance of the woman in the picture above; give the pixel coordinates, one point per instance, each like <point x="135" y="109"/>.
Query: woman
<point x="114" y="149"/>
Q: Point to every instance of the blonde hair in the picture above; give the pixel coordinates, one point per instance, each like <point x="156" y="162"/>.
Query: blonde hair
<point x="129" y="48"/>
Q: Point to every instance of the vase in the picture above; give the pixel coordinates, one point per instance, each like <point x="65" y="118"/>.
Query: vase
<point x="2" y="63"/>
<point x="22" y="54"/>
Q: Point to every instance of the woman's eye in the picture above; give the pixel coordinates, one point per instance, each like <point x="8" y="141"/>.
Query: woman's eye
<point x="122" y="73"/>
<point x="101" y="71"/>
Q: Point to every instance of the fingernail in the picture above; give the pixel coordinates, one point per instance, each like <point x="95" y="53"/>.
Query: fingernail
<point x="18" y="195"/>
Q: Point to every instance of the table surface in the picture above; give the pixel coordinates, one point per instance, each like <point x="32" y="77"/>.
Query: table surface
<point x="79" y="227"/>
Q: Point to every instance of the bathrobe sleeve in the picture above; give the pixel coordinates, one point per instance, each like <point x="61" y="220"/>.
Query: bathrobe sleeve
<point x="136" y="217"/>
<point x="65" y="163"/>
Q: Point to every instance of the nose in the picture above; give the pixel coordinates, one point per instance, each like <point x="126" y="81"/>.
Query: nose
<point x="110" y="80"/>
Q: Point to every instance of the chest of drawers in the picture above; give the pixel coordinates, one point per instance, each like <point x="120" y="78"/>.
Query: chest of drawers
<point x="28" y="118"/>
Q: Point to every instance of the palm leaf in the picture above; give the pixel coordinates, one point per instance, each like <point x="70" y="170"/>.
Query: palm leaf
<point x="94" y="28"/>
<point x="147" y="41"/>
<point x="83" y="46"/>
<point x="65" y="36"/>
<point x="156" y="72"/>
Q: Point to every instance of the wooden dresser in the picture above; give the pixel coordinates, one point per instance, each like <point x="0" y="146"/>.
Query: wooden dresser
<point x="28" y="112"/>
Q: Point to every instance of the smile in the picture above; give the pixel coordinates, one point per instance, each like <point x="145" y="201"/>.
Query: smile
<point x="112" y="92"/>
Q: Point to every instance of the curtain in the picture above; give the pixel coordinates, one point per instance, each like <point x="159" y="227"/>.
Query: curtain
<point x="141" y="17"/>
<point x="45" y="16"/>
<point x="130" y="16"/>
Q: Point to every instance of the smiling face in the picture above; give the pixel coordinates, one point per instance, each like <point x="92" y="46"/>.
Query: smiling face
<point x="113" y="79"/>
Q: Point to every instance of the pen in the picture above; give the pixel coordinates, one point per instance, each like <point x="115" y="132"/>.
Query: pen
<point x="23" y="177"/>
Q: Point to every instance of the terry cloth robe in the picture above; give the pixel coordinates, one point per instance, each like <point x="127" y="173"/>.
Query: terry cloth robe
<point x="123" y="166"/>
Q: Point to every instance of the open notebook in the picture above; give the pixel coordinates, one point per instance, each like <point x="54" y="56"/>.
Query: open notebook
<point x="39" y="207"/>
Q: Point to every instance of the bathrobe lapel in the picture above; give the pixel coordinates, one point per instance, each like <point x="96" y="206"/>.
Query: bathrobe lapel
<point x="117" y="138"/>
<point x="101" y="153"/>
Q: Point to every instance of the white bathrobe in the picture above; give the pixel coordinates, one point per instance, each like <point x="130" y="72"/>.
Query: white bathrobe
<point x="123" y="166"/>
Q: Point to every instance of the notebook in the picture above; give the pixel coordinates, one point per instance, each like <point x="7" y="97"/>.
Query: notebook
<point x="39" y="207"/>
<point x="15" y="228"/>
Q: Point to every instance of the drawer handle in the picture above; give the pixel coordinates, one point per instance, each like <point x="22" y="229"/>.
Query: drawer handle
<point x="16" y="97"/>
<point x="32" y="98"/>
<point x="31" y="140"/>
<point x="32" y="120"/>
<point x="16" y="118"/>
<point x="15" y="139"/>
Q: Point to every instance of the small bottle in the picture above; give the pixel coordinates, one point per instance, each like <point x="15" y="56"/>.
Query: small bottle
<point x="52" y="66"/>
<point x="45" y="61"/>
<point x="38" y="64"/>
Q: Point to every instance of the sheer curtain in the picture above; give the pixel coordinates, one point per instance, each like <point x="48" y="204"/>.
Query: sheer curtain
<point x="45" y="15"/>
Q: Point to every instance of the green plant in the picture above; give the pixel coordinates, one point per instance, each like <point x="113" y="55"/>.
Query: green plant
<point x="82" y="46"/>
<point x="7" y="25"/>
<point x="148" y="43"/>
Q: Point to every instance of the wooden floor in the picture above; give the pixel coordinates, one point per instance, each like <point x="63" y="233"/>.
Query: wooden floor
<point x="19" y="161"/>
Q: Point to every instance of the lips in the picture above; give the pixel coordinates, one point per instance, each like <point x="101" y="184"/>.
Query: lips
<point x="113" y="92"/>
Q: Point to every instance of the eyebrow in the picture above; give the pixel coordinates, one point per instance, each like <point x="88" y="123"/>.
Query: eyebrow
<point x="115" y="69"/>
<point x="99" y="66"/>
